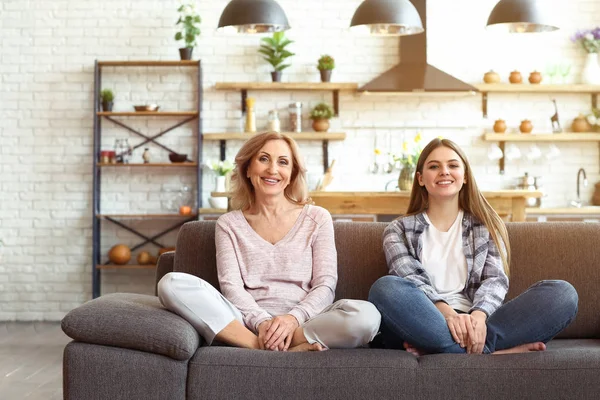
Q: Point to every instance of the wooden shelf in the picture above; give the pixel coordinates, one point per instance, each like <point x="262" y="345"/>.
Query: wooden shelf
<point x="144" y="216"/>
<point x="541" y="88"/>
<point x="178" y="165"/>
<point x="204" y="211"/>
<point x="126" y="266"/>
<point x="156" y="63"/>
<point x="553" y="137"/>
<point x="148" y="113"/>
<point x="294" y="135"/>
<point x="285" y="86"/>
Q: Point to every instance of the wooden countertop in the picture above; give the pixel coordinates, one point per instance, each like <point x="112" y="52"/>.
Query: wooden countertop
<point x="406" y="193"/>
<point x="586" y="210"/>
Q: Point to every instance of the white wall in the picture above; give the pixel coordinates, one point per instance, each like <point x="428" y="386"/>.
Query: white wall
<point x="46" y="90"/>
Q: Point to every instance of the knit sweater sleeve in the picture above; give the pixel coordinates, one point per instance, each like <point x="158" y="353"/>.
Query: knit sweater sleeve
<point x="324" y="269"/>
<point x="230" y="278"/>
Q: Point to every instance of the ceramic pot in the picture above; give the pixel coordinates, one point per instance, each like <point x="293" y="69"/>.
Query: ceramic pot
<point x="581" y="124"/>
<point x="491" y="77"/>
<point x="526" y="126"/>
<point x="220" y="186"/>
<point x="500" y="126"/>
<point x="590" y="73"/>
<point x="535" y="77"/>
<point x="185" y="53"/>
<point x="405" y="180"/>
<point x="107" y="106"/>
<point x="320" y="125"/>
<point x="515" y="77"/>
<point x="325" y="75"/>
<point x="276" y="76"/>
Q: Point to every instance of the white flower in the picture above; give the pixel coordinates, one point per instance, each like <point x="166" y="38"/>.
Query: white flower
<point x="592" y="119"/>
<point x="589" y="36"/>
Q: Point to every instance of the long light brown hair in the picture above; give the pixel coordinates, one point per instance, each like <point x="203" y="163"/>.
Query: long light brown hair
<point x="243" y="195"/>
<point x="470" y="199"/>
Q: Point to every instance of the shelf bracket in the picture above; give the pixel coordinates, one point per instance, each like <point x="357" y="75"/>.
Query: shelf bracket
<point x="223" y="147"/>
<point x="484" y="104"/>
<point x="336" y="103"/>
<point x="594" y="100"/>
<point x="501" y="161"/>
<point x="325" y="155"/>
<point x="244" y="97"/>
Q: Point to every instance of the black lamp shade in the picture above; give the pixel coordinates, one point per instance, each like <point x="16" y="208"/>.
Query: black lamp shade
<point x="521" y="16"/>
<point x="388" y="17"/>
<point x="254" y="16"/>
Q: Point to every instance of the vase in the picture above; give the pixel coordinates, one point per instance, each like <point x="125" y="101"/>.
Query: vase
<point x="405" y="180"/>
<point x="590" y="73"/>
<point x="219" y="202"/>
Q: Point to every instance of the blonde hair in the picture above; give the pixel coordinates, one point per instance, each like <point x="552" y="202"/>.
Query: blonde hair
<point x="242" y="196"/>
<point x="470" y="199"/>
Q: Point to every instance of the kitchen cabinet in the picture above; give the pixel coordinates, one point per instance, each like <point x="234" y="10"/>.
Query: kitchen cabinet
<point x="172" y="221"/>
<point x="502" y="138"/>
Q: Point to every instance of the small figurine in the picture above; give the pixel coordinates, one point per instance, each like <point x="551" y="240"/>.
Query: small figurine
<point x="555" y="123"/>
<point x="146" y="155"/>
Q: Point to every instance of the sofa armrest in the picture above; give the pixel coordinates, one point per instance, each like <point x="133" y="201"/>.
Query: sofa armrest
<point x="132" y="321"/>
<point x="163" y="266"/>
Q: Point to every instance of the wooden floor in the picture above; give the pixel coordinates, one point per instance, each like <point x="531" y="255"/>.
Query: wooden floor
<point x="31" y="360"/>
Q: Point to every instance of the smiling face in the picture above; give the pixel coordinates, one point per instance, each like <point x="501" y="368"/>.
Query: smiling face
<point x="270" y="170"/>
<point x="443" y="174"/>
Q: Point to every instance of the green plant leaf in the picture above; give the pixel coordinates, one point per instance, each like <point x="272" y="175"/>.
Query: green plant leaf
<point x="282" y="67"/>
<point x="269" y="41"/>
<point x="286" y="54"/>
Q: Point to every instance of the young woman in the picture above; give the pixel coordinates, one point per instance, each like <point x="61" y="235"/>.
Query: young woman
<point x="449" y="262"/>
<point x="276" y="262"/>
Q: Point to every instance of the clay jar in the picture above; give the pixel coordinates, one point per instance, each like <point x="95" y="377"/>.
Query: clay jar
<point x="581" y="124"/>
<point x="535" y="77"/>
<point x="499" y="126"/>
<point x="526" y="126"/>
<point x="515" y="77"/>
<point x="491" y="77"/>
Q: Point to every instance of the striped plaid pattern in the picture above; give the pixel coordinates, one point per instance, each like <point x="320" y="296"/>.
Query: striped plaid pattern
<point x="487" y="282"/>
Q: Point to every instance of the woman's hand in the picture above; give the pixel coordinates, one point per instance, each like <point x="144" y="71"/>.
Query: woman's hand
<point x="477" y="341"/>
<point x="279" y="334"/>
<point x="460" y="325"/>
<point x="262" y="332"/>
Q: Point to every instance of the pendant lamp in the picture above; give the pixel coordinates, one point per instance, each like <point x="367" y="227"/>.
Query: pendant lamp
<point x="521" y="16"/>
<point x="254" y="16"/>
<point x="388" y="17"/>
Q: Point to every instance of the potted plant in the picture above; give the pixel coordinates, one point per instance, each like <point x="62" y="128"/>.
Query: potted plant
<point x="408" y="161"/>
<point x="190" y="29"/>
<point x="273" y="49"/>
<point x="106" y="98"/>
<point x="325" y="65"/>
<point x="321" y="114"/>
<point x="221" y="170"/>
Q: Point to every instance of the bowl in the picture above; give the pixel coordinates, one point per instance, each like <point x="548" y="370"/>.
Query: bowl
<point x="146" y="107"/>
<point x="174" y="157"/>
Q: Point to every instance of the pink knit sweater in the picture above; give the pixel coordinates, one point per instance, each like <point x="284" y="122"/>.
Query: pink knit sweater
<point x="296" y="276"/>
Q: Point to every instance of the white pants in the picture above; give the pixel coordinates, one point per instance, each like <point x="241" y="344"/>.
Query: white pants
<point x="344" y="324"/>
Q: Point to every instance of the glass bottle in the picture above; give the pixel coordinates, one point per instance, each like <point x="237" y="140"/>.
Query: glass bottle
<point x="250" y="116"/>
<point x="273" y="123"/>
<point x="295" y="110"/>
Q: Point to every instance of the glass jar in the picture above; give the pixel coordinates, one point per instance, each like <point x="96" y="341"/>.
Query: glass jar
<point x="295" y="110"/>
<point x="273" y="123"/>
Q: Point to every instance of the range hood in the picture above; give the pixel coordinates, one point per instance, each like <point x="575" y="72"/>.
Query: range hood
<point x="413" y="74"/>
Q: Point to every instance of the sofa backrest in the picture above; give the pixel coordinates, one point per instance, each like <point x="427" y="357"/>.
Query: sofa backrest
<point x="569" y="251"/>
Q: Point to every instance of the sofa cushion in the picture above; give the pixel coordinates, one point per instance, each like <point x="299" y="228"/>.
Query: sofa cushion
<point x="232" y="373"/>
<point x="132" y="321"/>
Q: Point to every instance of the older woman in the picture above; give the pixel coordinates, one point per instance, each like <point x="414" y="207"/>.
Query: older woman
<point x="276" y="262"/>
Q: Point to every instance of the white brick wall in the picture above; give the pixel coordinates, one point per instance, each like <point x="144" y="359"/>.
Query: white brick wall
<point x="46" y="90"/>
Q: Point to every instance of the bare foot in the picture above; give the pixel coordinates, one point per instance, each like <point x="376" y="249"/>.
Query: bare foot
<point x="307" y="347"/>
<point x="524" y="348"/>
<point x="413" y="350"/>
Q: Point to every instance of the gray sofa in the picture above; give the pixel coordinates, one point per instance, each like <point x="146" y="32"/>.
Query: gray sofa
<point x="127" y="346"/>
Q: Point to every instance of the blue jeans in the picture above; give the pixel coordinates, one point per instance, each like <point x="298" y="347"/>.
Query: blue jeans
<point x="536" y="315"/>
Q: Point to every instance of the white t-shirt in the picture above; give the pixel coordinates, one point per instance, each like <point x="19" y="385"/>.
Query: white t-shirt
<point x="444" y="260"/>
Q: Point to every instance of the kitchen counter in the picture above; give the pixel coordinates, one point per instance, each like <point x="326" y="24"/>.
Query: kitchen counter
<point x="585" y="210"/>
<point x="505" y="202"/>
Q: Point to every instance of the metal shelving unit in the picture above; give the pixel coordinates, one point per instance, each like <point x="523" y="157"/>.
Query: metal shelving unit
<point x="117" y="219"/>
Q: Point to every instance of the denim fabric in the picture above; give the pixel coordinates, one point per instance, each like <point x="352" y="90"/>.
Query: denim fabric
<point x="536" y="315"/>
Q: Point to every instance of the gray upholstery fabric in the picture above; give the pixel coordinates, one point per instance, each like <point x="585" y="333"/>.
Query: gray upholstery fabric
<point x="231" y="373"/>
<point x="569" y="369"/>
<point x="560" y="250"/>
<point x="132" y="321"/>
<point x="93" y="372"/>
<point x="163" y="266"/>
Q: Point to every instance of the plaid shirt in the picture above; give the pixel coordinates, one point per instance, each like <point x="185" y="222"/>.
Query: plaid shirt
<point x="487" y="282"/>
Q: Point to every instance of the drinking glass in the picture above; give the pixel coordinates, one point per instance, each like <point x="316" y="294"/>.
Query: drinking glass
<point x="551" y="70"/>
<point x="564" y="70"/>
